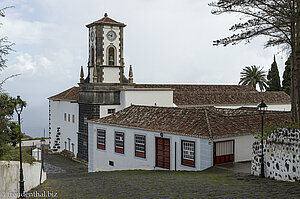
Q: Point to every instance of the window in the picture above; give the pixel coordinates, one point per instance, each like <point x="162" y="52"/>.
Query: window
<point x="119" y="142"/>
<point x="101" y="139"/>
<point x="188" y="153"/>
<point x="65" y="116"/>
<point x="111" y="111"/>
<point x="73" y="118"/>
<point x="68" y="117"/>
<point x="111" y="56"/>
<point x="140" y="146"/>
<point x="85" y="120"/>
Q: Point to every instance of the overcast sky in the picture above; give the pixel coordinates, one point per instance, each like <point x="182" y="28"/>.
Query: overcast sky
<point x="166" y="41"/>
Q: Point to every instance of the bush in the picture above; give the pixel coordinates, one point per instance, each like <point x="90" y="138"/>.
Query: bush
<point x="11" y="153"/>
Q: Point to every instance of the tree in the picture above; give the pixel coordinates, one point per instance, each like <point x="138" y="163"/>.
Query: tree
<point x="279" y="20"/>
<point x="273" y="78"/>
<point x="253" y="75"/>
<point x="5" y="49"/>
<point x="286" y="82"/>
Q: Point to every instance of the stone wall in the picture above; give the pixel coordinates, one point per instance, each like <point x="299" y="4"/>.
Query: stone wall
<point x="281" y="155"/>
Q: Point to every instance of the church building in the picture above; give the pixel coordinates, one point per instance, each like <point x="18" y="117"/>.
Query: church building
<point x="105" y="90"/>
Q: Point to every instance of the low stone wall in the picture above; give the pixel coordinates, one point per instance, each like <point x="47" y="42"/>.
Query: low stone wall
<point x="281" y="155"/>
<point x="10" y="177"/>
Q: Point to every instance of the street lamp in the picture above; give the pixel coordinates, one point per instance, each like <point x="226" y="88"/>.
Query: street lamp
<point x="18" y="109"/>
<point x="262" y="107"/>
<point x="43" y="141"/>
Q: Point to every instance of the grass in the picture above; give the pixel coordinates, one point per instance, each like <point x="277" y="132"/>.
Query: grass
<point x="11" y="153"/>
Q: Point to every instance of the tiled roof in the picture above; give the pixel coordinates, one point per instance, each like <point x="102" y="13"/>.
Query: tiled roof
<point x="71" y="94"/>
<point x="199" y="95"/>
<point x="204" y="95"/>
<point x="199" y="122"/>
<point x="106" y="21"/>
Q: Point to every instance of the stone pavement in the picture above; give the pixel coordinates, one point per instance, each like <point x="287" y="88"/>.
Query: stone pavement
<point x="75" y="182"/>
<point x="237" y="167"/>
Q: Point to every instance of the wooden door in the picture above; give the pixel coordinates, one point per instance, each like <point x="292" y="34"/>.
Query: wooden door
<point x="162" y="146"/>
<point x="223" y="151"/>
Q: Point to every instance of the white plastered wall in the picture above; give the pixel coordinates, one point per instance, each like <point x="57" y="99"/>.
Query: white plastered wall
<point x="68" y="129"/>
<point x="146" y="97"/>
<point x="242" y="147"/>
<point x="104" y="109"/>
<point x="99" y="159"/>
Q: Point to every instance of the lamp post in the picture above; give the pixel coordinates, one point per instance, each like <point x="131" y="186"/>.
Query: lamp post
<point x="262" y="107"/>
<point x="43" y="141"/>
<point x="18" y="109"/>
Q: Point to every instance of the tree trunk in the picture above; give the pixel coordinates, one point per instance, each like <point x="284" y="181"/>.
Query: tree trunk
<point x="295" y="80"/>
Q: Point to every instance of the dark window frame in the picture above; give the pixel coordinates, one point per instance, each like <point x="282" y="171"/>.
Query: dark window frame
<point x="139" y="153"/>
<point x="101" y="145"/>
<point x="119" y="149"/>
<point x="111" y="111"/>
<point x="187" y="162"/>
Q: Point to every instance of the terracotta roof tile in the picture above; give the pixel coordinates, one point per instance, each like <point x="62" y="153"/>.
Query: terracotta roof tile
<point x="106" y="21"/>
<point x="71" y="94"/>
<point x="199" y="95"/>
<point x="204" y="95"/>
<point x="199" y="122"/>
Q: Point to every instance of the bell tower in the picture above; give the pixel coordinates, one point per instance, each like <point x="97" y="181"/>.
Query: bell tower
<point x="106" y="51"/>
<point x="100" y="91"/>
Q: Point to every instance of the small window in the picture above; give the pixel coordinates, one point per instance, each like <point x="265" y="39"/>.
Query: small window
<point x="188" y="153"/>
<point x="140" y="146"/>
<point x="85" y="120"/>
<point x="111" y="111"/>
<point x="119" y="142"/>
<point x="68" y="117"/>
<point x="65" y="116"/>
<point x="73" y="118"/>
<point x="111" y="56"/>
<point x="101" y="139"/>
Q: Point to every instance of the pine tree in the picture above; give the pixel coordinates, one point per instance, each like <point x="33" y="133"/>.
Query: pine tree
<point x="273" y="78"/>
<point x="286" y="82"/>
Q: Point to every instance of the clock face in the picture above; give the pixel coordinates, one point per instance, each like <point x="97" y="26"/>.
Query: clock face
<point x="111" y="35"/>
<point x="92" y="36"/>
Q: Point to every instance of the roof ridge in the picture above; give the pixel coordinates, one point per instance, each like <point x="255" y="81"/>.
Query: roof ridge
<point x="208" y="124"/>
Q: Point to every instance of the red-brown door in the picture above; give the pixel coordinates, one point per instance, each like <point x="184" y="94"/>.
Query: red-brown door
<point x="223" y="151"/>
<point x="162" y="152"/>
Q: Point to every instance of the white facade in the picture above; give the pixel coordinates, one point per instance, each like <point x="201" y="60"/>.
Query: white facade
<point x="149" y="97"/>
<point x="242" y="146"/>
<point x="111" y="74"/>
<point x="99" y="159"/>
<point x="63" y="123"/>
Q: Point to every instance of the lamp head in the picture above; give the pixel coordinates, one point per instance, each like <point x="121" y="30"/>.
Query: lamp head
<point x="262" y="106"/>
<point x="19" y="105"/>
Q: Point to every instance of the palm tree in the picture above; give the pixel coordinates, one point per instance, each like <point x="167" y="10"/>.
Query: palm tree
<point x="253" y="75"/>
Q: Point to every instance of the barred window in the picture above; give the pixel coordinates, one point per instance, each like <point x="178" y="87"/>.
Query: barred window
<point x="140" y="146"/>
<point x="188" y="153"/>
<point x="119" y="142"/>
<point x="101" y="139"/>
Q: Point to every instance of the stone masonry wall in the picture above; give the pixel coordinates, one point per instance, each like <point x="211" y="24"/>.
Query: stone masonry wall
<point x="281" y="155"/>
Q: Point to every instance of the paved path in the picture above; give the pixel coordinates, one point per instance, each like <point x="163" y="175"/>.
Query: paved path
<point x="71" y="180"/>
